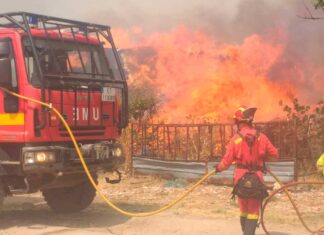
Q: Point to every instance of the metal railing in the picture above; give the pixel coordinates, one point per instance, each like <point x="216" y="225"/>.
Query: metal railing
<point x="202" y="142"/>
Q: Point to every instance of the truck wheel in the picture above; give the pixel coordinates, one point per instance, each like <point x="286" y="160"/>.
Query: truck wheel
<point x="71" y="199"/>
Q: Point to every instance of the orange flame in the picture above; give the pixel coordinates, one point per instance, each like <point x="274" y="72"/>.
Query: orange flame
<point x="203" y="79"/>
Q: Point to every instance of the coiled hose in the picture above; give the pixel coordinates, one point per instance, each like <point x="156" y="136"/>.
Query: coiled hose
<point x="284" y="188"/>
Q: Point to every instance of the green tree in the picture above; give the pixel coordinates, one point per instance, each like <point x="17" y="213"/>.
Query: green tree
<point x="319" y="4"/>
<point x="143" y="102"/>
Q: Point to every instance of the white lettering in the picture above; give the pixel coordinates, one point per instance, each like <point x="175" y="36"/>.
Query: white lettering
<point x="75" y="113"/>
<point x="85" y="114"/>
<point x="95" y="114"/>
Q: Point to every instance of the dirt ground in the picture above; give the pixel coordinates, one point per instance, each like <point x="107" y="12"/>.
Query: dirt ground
<point x="208" y="210"/>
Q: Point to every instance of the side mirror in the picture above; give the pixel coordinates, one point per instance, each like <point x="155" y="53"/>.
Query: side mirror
<point x="5" y="64"/>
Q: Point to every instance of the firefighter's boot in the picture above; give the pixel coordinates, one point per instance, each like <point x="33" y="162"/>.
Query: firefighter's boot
<point x="250" y="226"/>
<point x="242" y="221"/>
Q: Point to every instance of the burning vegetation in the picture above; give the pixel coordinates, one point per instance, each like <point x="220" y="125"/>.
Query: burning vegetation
<point x="190" y="76"/>
<point x="196" y="77"/>
<point x="188" y="72"/>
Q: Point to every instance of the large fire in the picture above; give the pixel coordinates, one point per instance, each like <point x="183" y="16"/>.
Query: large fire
<point x="202" y="79"/>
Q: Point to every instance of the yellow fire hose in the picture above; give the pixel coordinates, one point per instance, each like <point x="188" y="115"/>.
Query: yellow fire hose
<point x="284" y="188"/>
<point x="172" y="203"/>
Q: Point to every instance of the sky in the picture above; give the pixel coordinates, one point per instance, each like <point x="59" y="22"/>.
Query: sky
<point x="154" y="13"/>
<point x="230" y="20"/>
<point x="125" y="12"/>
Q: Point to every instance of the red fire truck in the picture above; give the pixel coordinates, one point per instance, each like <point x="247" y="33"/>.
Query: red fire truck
<point x="74" y="66"/>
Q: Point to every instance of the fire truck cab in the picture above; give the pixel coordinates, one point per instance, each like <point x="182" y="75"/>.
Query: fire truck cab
<point x="74" y="66"/>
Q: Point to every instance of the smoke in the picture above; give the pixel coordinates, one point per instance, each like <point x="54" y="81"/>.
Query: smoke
<point x="302" y="62"/>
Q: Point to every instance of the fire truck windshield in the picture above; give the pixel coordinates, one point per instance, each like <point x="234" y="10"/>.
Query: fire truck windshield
<point x="68" y="59"/>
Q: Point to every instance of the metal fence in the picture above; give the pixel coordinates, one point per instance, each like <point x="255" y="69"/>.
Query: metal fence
<point x="189" y="150"/>
<point x="202" y="142"/>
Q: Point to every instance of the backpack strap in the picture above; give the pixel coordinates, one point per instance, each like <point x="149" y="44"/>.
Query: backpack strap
<point x="264" y="169"/>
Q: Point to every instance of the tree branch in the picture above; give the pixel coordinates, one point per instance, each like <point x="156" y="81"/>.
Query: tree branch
<point x="309" y="15"/>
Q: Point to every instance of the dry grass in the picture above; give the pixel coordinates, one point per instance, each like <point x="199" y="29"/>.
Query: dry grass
<point x="213" y="201"/>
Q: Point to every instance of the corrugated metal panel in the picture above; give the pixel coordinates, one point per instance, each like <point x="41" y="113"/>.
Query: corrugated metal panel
<point x="191" y="170"/>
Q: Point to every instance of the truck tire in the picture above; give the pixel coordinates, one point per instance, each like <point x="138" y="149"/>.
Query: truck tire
<point x="71" y="199"/>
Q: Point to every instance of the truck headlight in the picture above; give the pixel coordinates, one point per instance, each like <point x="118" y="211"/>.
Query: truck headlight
<point x="45" y="156"/>
<point x="39" y="157"/>
<point x="29" y="158"/>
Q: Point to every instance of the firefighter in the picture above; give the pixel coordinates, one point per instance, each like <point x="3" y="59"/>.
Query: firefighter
<point x="320" y="164"/>
<point x="249" y="149"/>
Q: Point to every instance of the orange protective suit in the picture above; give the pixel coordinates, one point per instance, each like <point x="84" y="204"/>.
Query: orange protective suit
<point x="238" y="151"/>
